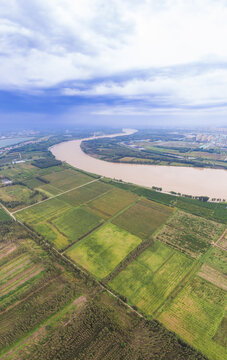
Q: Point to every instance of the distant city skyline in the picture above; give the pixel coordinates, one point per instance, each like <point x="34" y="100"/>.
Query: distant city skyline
<point x="113" y="63"/>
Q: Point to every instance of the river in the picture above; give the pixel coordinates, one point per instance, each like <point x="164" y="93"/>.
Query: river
<point x="186" y="180"/>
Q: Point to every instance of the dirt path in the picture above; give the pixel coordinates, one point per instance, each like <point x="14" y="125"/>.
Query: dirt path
<point x="52" y="197"/>
<point x="219" y="239"/>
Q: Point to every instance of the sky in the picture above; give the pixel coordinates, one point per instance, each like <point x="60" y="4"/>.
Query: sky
<point x="113" y="62"/>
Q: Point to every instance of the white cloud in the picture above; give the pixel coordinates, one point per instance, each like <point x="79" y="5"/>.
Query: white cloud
<point x="44" y="43"/>
<point x="208" y="88"/>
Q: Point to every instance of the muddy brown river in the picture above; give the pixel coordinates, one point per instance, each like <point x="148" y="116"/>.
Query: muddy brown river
<point x="186" y="180"/>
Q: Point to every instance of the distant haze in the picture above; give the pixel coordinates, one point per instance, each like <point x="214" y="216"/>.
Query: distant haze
<point x="113" y="63"/>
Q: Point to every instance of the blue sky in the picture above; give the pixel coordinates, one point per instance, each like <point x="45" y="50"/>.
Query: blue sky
<point x="147" y="62"/>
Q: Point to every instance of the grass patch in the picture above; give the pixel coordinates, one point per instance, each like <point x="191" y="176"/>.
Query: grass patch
<point x="190" y="233"/>
<point x="196" y="314"/>
<point x="4" y="216"/>
<point x="149" y="279"/>
<point x="143" y="218"/>
<point x="102" y="251"/>
<point x="14" y="196"/>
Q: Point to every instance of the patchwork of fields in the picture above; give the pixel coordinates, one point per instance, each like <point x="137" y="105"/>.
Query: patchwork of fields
<point x="32" y="289"/>
<point x="150" y="279"/>
<point x="179" y="277"/>
<point x="101" y="251"/>
<point x="190" y="233"/>
<point x="144" y="218"/>
<point x="197" y="314"/>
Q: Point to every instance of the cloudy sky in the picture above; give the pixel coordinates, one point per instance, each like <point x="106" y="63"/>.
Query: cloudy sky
<point x="113" y="62"/>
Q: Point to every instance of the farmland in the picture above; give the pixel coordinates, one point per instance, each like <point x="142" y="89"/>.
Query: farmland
<point x="190" y="233"/>
<point x="217" y="258"/>
<point x="32" y="288"/>
<point x="75" y="223"/>
<point x="101" y="251"/>
<point x="111" y="203"/>
<point x="161" y="260"/>
<point x="196" y="315"/>
<point x="150" y="279"/>
<point x="66" y="179"/>
<point x="15" y="196"/>
<point x="143" y="218"/>
<point x="84" y="194"/>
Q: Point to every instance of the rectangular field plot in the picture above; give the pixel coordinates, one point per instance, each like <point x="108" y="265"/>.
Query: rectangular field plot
<point x="150" y="279"/>
<point x="75" y="223"/>
<point x="43" y="211"/>
<point x="196" y="314"/>
<point x="214" y="276"/>
<point x="101" y="251"/>
<point x="143" y="218"/>
<point x="190" y="233"/>
<point x="111" y="203"/>
<point x="85" y="193"/>
<point x="217" y="258"/>
<point x="67" y="179"/>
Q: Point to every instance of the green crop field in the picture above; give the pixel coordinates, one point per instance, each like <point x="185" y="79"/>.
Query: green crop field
<point x="76" y="222"/>
<point x="217" y="258"/>
<point x="112" y="202"/>
<point x="43" y="211"/>
<point x="101" y="251"/>
<point x="197" y="314"/>
<point x="190" y="233"/>
<point x="150" y="279"/>
<point x="143" y="218"/>
<point x="67" y="179"/>
<point x="85" y="193"/>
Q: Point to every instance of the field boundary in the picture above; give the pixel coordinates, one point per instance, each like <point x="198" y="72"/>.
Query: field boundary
<point x="82" y="236"/>
<point x="53" y="197"/>
<point x="219" y="239"/>
<point x="144" y="245"/>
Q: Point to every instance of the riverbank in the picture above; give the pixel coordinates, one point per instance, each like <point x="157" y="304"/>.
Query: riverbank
<point x="184" y="180"/>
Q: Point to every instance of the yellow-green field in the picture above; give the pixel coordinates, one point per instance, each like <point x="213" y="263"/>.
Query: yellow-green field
<point x="67" y="179"/>
<point x="150" y="278"/>
<point x="143" y="218"/>
<point x="75" y="223"/>
<point x="84" y="194"/>
<point x="197" y="314"/>
<point x="102" y="251"/>
<point x="111" y="203"/>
